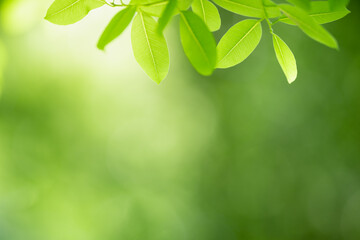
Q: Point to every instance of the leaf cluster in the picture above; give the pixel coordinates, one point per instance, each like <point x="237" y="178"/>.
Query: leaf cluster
<point x="149" y="18"/>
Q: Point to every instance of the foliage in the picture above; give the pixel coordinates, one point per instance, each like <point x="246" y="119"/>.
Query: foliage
<point x="150" y="47"/>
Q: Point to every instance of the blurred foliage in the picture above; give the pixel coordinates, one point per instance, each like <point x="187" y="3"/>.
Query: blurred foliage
<point x="90" y="149"/>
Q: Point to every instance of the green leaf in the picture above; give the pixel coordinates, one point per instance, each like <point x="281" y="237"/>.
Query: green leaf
<point x="64" y="12"/>
<point x="156" y="9"/>
<point x="208" y="13"/>
<point x="321" y="13"/>
<point x="250" y="8"/>
<point x="145" y="2"/>
<point x="149" y="47"/>
<point x="116" y="26"/>
<point x="309" y="25"/>
<point x="336" y="4"/>
<point x="285" y="58"/>
<point x="167" y="15"/>
<point x="184" y="4"/>
<point x="305" y="4"/>
<point x="198" y="43"/>
<point x="238" y="43"/>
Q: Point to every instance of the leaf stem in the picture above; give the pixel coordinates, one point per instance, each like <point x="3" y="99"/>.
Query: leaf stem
<point x="267" y="18"/>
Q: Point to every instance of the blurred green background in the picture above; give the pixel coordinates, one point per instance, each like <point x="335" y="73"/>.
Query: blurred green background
<point x="90" y="148"/>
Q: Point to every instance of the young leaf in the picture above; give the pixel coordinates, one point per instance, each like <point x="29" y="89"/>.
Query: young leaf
<point x="250" y="8"/>
<point x="167" y="15"/>
<point x="184" y="4"/>
<point x="116" y="26"/>
<point x="145" y="2"/>
<point x="198" y="43"/>
<point x="208" y="13"/>
<point x="285" y="58"/>
<point x="238" y="43"/>
<point x="321" y="13"/>
<point x="149" y="47"/>
<point x="336" y="4"/>
<point x="305" y="4"/>
<point x="309" y="25"/>
<point x="156" y="9"/>
<point x="64" y="12"/>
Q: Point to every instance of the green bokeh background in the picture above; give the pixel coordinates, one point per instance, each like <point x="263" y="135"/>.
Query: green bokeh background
<point x="90" y="148"/>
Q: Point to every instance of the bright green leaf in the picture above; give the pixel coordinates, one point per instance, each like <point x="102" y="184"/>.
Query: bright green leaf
<point x="149" y="47"/>
<point x="336" y="4"/>
<point x="285" y="58"/>
<point x="208" y="13"/>
<point x="64" y="12"/>
<point x="145" y="2"/>
<point x="250" y="8"/>
<point x="305" y="4"/>
<point x="238" y="43"/>
<point x="184" y="4"/>
<point x="167" y="15"/>
<point x="155" y="9"/>
<point x="116" y="26"/>
<point x="321" y="13"/>
<point x="309" y="25"/>
<point x="198" y="43"/>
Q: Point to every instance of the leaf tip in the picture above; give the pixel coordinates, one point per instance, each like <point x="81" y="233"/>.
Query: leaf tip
<point x="100" y="47"/>
<point x="291" y="79"/>
<point x="158" y="81"/>
<point x="335" y="45"/>
<point x="47" y="17"/>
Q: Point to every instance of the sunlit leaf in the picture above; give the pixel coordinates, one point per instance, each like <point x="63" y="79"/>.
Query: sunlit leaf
<point x="149" y="47"/>
<point x="167" y="15"/>
<point x="250" y="8"/>
<point x="184" y="4"/>
<point x="305" y="4"/>
<point x="336" y="4"/>
<point x="116" y="26"/>
<point x="238" y="43"/>
<point x="285" y="58"/>
<point x="64" y="12"/>
<point x="321" y="13"/>
<point x="309" y="25"/>
<point x="198" y="43"/>
<point x="155" y="9"/>
<point x="208" y="13"/>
